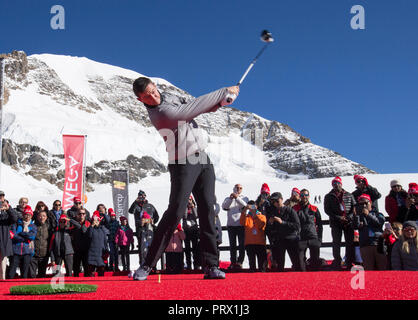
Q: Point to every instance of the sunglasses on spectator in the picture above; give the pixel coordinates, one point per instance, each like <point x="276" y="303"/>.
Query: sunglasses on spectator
<point x="81" y="213"/>
<point x="336" y="183"/>
<point x="365" y="203"/>
<point x="358" y="181"/>
<point x="408" y="229"/>
<point x="57" y="204"/>
<point x="78" y="203"/>
<point x="304" y="194"/>
<point x="239" y="187"/>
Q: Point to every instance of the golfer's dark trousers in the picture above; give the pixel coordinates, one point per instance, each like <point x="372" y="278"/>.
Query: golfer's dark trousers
<point x="195" y="176"/>
<point x="314" y="246"/>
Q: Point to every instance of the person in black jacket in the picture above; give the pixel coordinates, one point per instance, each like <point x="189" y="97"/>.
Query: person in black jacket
<point x="412" y="203"/>
<point x="311" y="231"/>
<point x="144" y="226"/>
<point x="8" y="217"/>
<point x="191" y="230"/>
<point x="61" y="246"/>
<point x="339" y="205"/>
<point x="363" y="187"/>
<point x="284" y="227"/>
<point x="98" y="248"/>
<point x="72" y="212"/>
<point x="55" y="213"/>
<point x="20" y="208"/>
<point x="81" y="243"/>
<point x="40" y="259"/>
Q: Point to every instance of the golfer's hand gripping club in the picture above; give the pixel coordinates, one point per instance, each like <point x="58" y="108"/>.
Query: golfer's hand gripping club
<point x="231" y="96"/>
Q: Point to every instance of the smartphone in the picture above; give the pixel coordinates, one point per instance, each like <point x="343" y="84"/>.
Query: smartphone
<point x="388" y="226"/>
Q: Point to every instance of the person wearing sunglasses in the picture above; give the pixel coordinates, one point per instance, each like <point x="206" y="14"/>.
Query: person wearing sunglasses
<point x="55" y="213"/>
<point x="395" y="202"/>
<point x="405" y="250"/>
<point x="72" y="212"/>
<point x="339" y="206"/>
<point x="369" y="223"/>
<point x="363" y="187"/>
<point x="311" y="231"/>
<point x="294" y="198"/>
<point x="233" y="206"/>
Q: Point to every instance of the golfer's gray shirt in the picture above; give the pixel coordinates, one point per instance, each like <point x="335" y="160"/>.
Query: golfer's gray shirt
<point x="173" y="118"/>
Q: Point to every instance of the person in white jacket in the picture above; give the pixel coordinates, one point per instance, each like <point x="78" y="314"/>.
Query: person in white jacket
<point x="233" y="205"/>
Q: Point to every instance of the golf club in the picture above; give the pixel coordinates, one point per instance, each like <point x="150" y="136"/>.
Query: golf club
<point x="267" y="37"/>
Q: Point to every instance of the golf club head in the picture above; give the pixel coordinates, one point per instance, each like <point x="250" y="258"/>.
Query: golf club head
<point x="266" y="36"/>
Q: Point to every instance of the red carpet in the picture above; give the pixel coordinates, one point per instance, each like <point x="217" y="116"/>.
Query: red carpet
<point x="389" y="285"/>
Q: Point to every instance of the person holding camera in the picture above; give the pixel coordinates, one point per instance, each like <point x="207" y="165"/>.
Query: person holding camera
<point x="254" y="223"/>
<point x="391" y="234"/>
<point x="284" y="228"/>
<point x="339" y="206"/>
<point x="412" y="203"/>
<point x="8" y="217"/>
<point x="369" y="222"/>
<point x="233" y="206"/>
<point x="363" y="187"/>
<point x="146" y="216"/>
<point x="191" y="231"/>
<point x="311" y="231"/>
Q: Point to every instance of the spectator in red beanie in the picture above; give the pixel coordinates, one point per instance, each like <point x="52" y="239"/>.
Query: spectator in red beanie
<point x="294" y="198"/>
<point x="339" y="206"/>
<point x="412" y="203"/>
<point x="369" y="222"/>
<point x="363" y="187"/>
<point x="262" y="202"/>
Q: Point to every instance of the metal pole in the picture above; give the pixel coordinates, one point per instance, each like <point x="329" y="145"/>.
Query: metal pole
<point x="84" y="169"/>
<point x="1" y="110"/>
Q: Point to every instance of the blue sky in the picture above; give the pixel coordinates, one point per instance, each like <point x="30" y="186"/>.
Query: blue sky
<point x="353" y="91"/>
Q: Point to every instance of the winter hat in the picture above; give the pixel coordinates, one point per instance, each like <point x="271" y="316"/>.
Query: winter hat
<point x="296" y="190"/>
<point x="276" y="196"/>
<point x="28" y="210"/>
<point x="111" y="212"/>
<point x="62" y="217"/>
<point x="146" y="215"/>
<point x="97" y="214"/>
<point x="179" y="227"/>
<point x="141" y="193"/>
<point x="364" y="196"/>
<point x="122" y="218"/>
<point x="359" y="177"/>
<point x="395" y="182"/>
<point x="356" y="233"/>
<point x="2" y="193"/>
<point x="265" y="188"/>
<point x="410" y="223"/>
<point x="413" y="188"/>
<point x="76" y="199"/>
<point x="337" y="179"/>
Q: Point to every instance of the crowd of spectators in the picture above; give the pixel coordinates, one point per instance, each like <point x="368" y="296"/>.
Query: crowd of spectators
<point x="264" y="229"/>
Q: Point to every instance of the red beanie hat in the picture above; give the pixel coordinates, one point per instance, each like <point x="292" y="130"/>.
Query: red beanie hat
<point x="265" y="188"/>
<point x="146" y="215"/>
<point x="111" y="212"/>
<point x="122" y="218"/>
<point x="337" y="179"/>
<point x="28" y="210"/>
<point x="76" y="199"/>
<point x="179" y="227"/>
<point x="62" y="217"/>
<point x="97" y="214"/>
<point x="359" y="177"/>
<point x="296" y="190"/>
<point x="413" y="188"/>
<point x="364" y="196"/>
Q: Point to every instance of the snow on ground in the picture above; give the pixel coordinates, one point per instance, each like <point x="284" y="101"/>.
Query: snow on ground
<point x="17" y="185"/>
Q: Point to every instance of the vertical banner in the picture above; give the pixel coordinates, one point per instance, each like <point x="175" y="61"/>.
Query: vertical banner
<point x="74" y="158"/>
<point x="120" y="192"/>
<point x="1" y="109"/>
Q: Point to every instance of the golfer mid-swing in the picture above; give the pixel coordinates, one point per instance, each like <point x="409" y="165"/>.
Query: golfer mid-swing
<point x="190" y="169"/>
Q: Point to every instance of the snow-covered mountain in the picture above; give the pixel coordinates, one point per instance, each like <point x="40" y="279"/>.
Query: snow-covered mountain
<point x="48" y="95"/>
